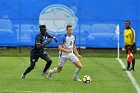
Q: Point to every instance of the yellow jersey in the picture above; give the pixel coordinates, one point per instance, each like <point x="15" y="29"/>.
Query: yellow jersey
<point x="129" y="36"/>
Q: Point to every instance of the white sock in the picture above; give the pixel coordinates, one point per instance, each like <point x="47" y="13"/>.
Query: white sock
<point x="54" y="70"/>
<point x="77" y="72"/>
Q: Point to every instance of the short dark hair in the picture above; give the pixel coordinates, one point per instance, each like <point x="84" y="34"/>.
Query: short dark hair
<point x="42" y="26"/>
<point x="128" y="21"/>
<point x="68" y="26"/>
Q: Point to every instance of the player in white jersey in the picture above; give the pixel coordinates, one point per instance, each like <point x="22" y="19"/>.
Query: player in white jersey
<point x="68" y="51"/>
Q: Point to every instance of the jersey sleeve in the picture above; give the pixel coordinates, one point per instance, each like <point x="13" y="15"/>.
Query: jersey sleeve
<point x="48" y="35"/>
<point x="37" y="40"/>
<point x="133" y="36"/>
<point x="74" y="39"/>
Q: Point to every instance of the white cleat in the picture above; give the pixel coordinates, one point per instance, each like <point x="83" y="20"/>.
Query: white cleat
<point x="76" y="79"/>
<point x="22" y="76"/>
<point x="49" y="74"/>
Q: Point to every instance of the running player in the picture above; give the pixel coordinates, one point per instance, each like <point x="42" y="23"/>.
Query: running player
<point x="68" y="51"/>
<point x="38" y="52"/>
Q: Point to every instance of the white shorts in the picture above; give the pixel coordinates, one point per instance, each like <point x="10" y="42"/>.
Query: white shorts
<point x="72" y="57"/>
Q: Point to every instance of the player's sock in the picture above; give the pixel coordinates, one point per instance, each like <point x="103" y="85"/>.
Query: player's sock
<point x="51" y="72"/>
<point x="133" y="64"/>
<point x="54" y="70"/>
<point x="128" y="65"/>
<point x="77" y="72"/>
<point x="31" y="67"/>
<point x="47" y="66"/>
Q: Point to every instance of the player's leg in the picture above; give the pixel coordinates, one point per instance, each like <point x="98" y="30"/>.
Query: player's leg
<point x="133" y="61"/>
<point x="31" y="67"/>
<point x="77" y="70"/>
<point x="78" y="65"/>
<point x="58" y="69"/>
<point x="128" y="63"/>
<point x="47" y="58"/>
<point x="33" y="60"/>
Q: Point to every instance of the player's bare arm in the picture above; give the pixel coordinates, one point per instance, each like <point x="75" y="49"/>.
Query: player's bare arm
<point x="44" y="44"/>
<point x="63" y="49"/>
<point x="76" y="52"/>
<point x="56" y="40"/>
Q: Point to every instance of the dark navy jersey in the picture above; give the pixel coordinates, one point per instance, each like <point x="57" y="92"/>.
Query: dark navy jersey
<point x="39" y="39"/>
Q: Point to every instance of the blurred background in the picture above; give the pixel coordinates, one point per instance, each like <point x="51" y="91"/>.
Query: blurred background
<point x="94" y="21"/>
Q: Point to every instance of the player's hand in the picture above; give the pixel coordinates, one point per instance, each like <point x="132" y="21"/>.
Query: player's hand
<point x="56" y="40"/>
<point x="69" y="51"/>
<point x="79" y="57"/>
<point x="49" y="41"/>
<point x="129" y="47"/>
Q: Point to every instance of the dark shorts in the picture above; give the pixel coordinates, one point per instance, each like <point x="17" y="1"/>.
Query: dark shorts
<point x="35" y="57"/>
<point x="131" y="47"/>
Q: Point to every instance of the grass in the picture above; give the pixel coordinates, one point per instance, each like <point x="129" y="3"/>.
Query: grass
<point x="136" y="73"/>
<point x="106" y="74"/>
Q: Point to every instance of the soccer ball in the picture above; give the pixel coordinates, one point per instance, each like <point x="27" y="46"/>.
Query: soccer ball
<point x="86" y="79"/>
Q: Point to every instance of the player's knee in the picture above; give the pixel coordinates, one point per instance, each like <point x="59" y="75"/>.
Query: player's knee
<point x="49" y="62"/>
<point x="59" y="70"/>
<point x="80" y="66"/>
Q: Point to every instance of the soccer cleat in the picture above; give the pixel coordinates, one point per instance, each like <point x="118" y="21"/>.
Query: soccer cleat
<point x="132" y="69"/>
<point x="43" y="74"/>
<point x="126" y="69"/>
<point x="22" y="76"/>
<point x="49" y="74"/>
<point x="76" y="79"/>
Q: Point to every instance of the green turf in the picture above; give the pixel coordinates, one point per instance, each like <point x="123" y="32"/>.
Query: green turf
<point x="106" y="74"/>
<point x="136" y="73"/>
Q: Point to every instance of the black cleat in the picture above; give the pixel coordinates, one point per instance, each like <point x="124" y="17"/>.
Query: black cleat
<point x="126" y="69"/>
<point x="132" y="69"/>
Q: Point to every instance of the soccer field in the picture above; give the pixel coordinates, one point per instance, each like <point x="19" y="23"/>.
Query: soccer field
<point x="106" y="73"/>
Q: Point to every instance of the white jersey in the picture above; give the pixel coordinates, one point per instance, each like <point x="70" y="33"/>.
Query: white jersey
<point x="67" y="43"/>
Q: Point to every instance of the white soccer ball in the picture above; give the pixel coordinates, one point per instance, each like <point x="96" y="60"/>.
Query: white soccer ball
<point x="86" y="79"/>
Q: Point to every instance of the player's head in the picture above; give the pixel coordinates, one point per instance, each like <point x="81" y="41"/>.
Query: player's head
<point x="127" y="24"/>
<point x="43" y="30"/>
<point x="69" y="30"/>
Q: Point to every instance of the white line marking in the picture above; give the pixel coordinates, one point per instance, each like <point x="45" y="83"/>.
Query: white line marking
<point x="133" y="81"/>
<point x="31" y="91"/>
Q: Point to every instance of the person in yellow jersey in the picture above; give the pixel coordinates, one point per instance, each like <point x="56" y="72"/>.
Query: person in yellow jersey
<point x="130" y="44"/>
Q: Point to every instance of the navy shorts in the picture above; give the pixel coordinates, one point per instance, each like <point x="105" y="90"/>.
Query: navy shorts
<point x="35" y="57"/>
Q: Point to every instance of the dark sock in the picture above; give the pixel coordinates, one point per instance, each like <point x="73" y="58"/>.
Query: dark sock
<point x="31" y="67"/>
<point x="128" y="65"/>
<point x="133" y="64"/>
<point x="47" y="66"/>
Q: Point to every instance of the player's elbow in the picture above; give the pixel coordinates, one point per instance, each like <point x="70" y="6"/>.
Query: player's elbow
<point x="59" y="47"/>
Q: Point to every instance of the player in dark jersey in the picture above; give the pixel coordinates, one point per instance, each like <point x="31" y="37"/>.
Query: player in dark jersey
<point x="38" y="51"/>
